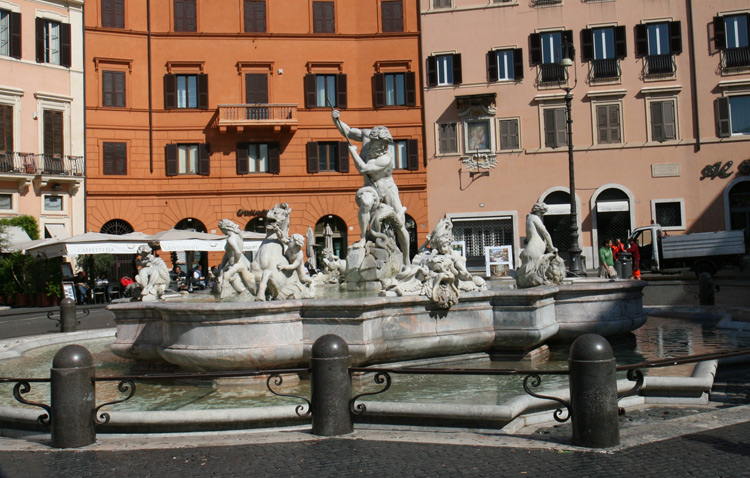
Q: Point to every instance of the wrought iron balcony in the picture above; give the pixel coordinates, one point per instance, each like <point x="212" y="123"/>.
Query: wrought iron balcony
<point x="603" y="70"/>
<point x="656" y="66"/>
<point x="262" y="114"/>
<point x="546" y="2"/>
<point x="551" y="74"/>
<point x="13" y="162"/>
<point x="735" y="58"/>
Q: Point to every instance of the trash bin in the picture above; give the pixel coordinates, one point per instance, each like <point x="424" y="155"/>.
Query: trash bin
<point x="626" y="265"/>
<point x="618" y="268"/>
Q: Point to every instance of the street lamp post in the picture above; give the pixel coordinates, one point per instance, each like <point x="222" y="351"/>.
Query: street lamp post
<point x="574" y="251"/>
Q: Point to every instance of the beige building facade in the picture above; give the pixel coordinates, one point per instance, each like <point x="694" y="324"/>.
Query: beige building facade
<point x="41" y="114"/>
<point x="660" y="110"/>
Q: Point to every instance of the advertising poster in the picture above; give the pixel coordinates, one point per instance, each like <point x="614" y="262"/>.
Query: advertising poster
<point x="498" y="260"/>
<point x="460" y="247"/>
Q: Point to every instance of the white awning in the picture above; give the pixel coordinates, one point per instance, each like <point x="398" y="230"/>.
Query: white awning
<point x="557" y="209"/>
<point x="57" y="231"/>
<point x="103" y="248"/>
<point x="612" y="206"/>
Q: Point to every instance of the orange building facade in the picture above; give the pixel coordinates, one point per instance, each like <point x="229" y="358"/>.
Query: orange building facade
<point x="200" y="110"/>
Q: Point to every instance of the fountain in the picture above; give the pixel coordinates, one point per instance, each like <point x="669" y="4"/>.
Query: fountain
<point x="269" y="314"/>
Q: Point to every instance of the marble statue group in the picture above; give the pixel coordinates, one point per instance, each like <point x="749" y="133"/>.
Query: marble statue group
<point x="378" y="261"/>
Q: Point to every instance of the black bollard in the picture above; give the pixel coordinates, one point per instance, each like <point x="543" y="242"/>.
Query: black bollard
<point x="68" y="321"/>
<point x="707" y="289"/>
<point x="593" y="393"/>
<point x="330" y="386"/>
<point x="72" y="397"/>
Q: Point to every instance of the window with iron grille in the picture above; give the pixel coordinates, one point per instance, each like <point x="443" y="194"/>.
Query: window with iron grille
<point x="117" y="227"/>
<point x="481" y="233"/>
<point x="668" y="214"/>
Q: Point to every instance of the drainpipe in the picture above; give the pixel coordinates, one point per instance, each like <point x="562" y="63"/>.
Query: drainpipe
<point x="150" y="98"/>
<point x="83" y="49"/>
<point x="693" y="76"/>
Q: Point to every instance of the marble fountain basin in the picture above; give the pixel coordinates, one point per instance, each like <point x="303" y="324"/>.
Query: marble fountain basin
<point x="216" y="336"/>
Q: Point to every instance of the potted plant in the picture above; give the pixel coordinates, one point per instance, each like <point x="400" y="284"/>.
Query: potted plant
<point x="54" y="292"/>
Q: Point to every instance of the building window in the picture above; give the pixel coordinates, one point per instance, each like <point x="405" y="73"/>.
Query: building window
<point x="255" y="16"/>
<point x="444" y="70"/>
<point x="52" y="42"/>
<point x="327" y="157"/>
<point x="658" y="43"/>
<point x="113" y="13"/>
<point x="53" y="133"/>
<point x="608" y="124"/>
<point x="555" y="128"/>
<point x="669" y="213"/>
<point x="732" y="37"/>
<point x="404" y="154"/>
<point x="510" y="137"/>
<point x="394" y="89"/>
<point x="6" y="202"/>
<point x="547" y="51"/>
<point x="6" y="128"/>
<point x="441" y="3"/>
<point x="323" y="18"/>
<point x="318" y="88"/>
<point x="603" y="48"/>
<point x="733" y="115"/>
<point x="505" y="65"/>
<point x="392" y="16"/>
<point x="258" y="158"/>
<point x="184" y="159"/>
<point x="115" y="158"/>
<point x="185" y="16"/>
<point x="53" y="202"/>
<point x="113" y="89"/>
<point x="663" y="120"/>
<point x="10" y="34"/>
<point x="186" y="91"/>
<point x="447" y="138"/>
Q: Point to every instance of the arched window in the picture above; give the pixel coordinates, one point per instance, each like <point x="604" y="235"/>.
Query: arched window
<point x="411" y="227"/>
<point x="256" y="224"/>
<point x="613" y="214"/>
<point x="190" y="259"/>
<point x="117" y="227"/>
<point x="191" y="224"/>
<point x="334" y="235"/>
<point x="739" y="209"/>
<point x="557" y="220"/>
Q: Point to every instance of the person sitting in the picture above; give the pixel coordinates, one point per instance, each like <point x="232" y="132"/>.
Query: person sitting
<point x="128" y="286"/>
<point x="82" y="288"/>
<point x="102" y="283"/>
<point x="199" y="280"/>
<point x="180" y="278"/>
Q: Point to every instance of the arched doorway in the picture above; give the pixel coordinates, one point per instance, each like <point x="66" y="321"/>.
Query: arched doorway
<point x="613" y="214"/>
<point x="739" y="209"/>
<point x="191" y="259"/>
<point x="256" y="224"/>
<point x="411" y="228"/>
<point x="123" y="265"/>
<point x="337" y="231"/>
<point x="557" y="220"/>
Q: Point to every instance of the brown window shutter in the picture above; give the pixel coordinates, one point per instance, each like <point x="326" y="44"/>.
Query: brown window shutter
<point x="203" y="91"/>
<point x="675" y="37"/>
<point x="432" y="76"/>
<point x="457" y="78"/>
<point x="535" y="48"/>
<point x="602" y="123"/>
<point x="518" y="64"/>
<point x="311" y="95"/>
<point x="720" y="33"/>
<point x="243" y="159"/>
<point x="342" y="161"/>
<point x="170" y="92"/>
<point x="108" y="88"/>
<point x="560" y="126"/>
<point x="723" y="121"/>
<point x="492" y="65"/>
<point x="641" y="40"/>
<point x="670" y="126"/>
<point x="274" y="158"/>
<point x="587" y="44"/>
<point x="378" y="90"/>
<point x="6" y="128"/>
<point x="550" y="135"/>
<point x="121" y="158"/>
<point x="256" y="88"/>
<point x="15" y="35"/>
<point x="204" y="159"/>
<point x="53" y="133"/>
<point x="40" y="24"/>
<point x="412" y="154"/>
<point x="657" y="122"/>
<point x="108" y="156"/>
<point x="614" y="123"/>
<point x="119" y="89"/>
<point x="65" y="56"/>
<point x="341" y="91"/>
<point x="411" y="88"/>
<point x="312" y="157"/>
<point x="171" y="167"/>
<point x="621" y="42"/>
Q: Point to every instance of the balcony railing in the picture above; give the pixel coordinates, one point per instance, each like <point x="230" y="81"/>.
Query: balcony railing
<point x="603" y="70"/>
<point x="546" y="2"/>
<point x="551" y="74"/>
<point x="656" y="66"/>
<point x="15" y="162"/>
<point x="263" y="114"/>
<point x="735" y="58"/>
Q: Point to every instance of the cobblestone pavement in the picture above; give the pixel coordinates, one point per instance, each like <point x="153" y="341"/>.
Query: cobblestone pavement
<point x="722" y="452"/>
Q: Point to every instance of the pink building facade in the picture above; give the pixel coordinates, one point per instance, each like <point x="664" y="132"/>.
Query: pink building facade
<point x="41" y="114"/>
<point x="660" y="109"/>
